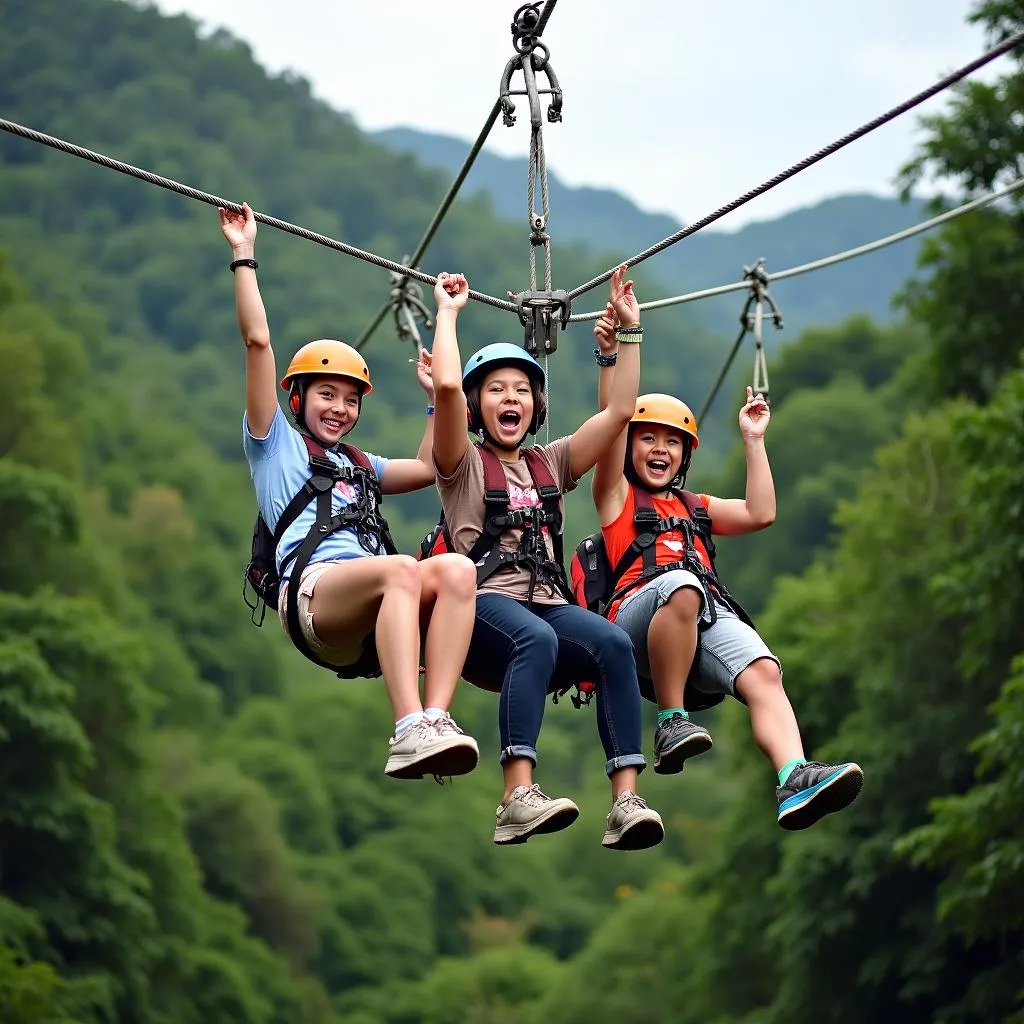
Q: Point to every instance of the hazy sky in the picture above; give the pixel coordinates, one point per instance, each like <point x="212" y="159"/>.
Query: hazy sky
<point x="680" y="104"/>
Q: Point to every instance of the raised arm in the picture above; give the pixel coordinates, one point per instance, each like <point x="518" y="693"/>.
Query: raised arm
<point x="450" y="433"/>
<point x="260" y="370"/>
<point x="757" y="509"/>
<point x="598" y="434"/>
<point x="608" y="487"/>
<point x="403" y="475"/>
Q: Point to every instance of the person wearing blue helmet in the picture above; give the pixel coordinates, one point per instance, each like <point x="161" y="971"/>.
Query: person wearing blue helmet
<point x="528" y="631"/>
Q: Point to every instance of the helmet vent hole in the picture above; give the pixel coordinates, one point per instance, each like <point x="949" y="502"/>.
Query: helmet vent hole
<point x="325" y="361"/>
<point x="642" y="409"/>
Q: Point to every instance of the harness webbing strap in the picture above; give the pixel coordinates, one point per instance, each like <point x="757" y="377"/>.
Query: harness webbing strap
<point x="363" y="515"/>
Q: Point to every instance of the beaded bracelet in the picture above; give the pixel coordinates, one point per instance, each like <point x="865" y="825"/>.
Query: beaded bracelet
<point x="604" y="360"/>
<point x="629" y="335"/>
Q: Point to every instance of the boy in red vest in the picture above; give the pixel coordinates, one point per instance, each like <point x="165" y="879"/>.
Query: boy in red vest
<point x="670" y="602"/>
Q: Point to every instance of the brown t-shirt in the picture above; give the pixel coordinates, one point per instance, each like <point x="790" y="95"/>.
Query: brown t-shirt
<point x="462" y="498"/>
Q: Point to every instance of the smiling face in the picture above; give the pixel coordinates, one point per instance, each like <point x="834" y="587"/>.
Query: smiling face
<point x="657" y="452"/>
<point x="332" y="408"/>
<point x="506" y="404"/>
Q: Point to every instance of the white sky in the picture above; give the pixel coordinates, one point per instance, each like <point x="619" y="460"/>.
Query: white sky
<point x="680" y="104"/>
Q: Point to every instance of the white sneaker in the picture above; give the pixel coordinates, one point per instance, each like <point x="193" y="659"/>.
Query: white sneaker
<point x="632" y="825"/>
<point x="435" y="748"/>
<point x="530" y="813"/>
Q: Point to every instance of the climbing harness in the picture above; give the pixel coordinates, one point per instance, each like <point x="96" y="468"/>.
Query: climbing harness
<point x="596" y="583"/>
<point x="532" y="522"/>
<point x="363" y="515"/>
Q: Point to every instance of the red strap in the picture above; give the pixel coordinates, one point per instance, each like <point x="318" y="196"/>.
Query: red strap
<point x="642" y="498"/>
<point x="691" y="501"/>
<point x="494" y="474"/>
<point x="538" y="467"/>
<point x="314" y="447"/>
<point x="356" y="456"/>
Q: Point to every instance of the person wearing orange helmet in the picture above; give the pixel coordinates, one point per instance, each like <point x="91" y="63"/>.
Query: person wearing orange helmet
<point x="528" y="630"/>
<point x="694" y="644"/>
<point x="357" y="608"/>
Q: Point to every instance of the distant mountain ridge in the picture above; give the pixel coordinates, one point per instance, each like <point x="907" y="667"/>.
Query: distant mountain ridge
<point x="606" y="221"/>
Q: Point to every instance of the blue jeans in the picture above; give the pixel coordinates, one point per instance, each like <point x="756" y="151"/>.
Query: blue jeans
<point x="532" y="652"/>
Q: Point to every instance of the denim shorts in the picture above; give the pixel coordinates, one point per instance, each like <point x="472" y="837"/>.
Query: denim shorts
<point x="726" y="648"/>
<point x="341" y="657"/>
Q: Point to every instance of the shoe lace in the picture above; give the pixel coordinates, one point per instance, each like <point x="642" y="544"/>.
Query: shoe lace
<point x="445" y="724"/>
<point x="532" y="797"/>
<point x="631" y="802"/>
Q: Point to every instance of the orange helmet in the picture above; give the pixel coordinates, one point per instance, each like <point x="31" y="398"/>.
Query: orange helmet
<point x="328" y="358"/>
<point x="667" y="411"/>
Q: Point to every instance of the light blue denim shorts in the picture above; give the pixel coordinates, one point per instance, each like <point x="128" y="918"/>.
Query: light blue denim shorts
<point x="726" y="648"/>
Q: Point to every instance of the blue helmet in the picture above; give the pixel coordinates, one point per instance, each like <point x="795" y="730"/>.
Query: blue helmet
<point x="492" y="357"/>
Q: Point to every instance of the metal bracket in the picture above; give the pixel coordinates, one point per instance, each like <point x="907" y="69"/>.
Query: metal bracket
<point x="752" y="321"/>
<point x="408" y="306"/>
<point x="542" y="313"/>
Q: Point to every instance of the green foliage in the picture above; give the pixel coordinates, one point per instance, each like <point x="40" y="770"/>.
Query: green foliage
<point x="195" y="827"/>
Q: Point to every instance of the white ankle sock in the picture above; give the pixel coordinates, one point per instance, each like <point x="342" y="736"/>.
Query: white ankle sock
<point x="434" y="713"/>
<point x="403" y="725"/>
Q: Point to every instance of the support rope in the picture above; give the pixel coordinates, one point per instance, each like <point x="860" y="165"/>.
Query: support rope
<point x="211" y="200"/>
<point x="435" y="223"/>
<point x="1005" y="46"/>
<point x="828" y="261"/>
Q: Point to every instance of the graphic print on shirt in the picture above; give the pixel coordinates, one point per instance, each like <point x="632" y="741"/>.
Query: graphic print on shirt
<point x="523" y="497"/>
<point x="350" y="491"/>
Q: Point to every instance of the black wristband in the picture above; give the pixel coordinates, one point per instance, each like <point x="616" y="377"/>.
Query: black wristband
<point x="605" y="360"/>
<point x="243" y="263"/>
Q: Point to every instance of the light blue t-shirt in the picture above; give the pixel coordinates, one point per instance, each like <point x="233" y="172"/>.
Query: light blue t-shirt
<point x="279" y="464"/>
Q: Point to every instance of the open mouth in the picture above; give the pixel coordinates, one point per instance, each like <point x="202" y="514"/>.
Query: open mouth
<point x="331" y="425"/>
<point x="509" y="421"/>
<point x="657" y="467"/>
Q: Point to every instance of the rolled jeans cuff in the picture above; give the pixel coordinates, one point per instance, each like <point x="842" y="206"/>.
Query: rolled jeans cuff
<point x="518" y="750"/>
<point x="637" y="761"/>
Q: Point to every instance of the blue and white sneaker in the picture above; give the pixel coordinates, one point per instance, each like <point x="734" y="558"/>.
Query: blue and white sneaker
<point x="814" y="790"/>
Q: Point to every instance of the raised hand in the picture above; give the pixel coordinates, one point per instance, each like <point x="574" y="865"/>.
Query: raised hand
<point x="238" y="228"/>
<point x="424" y="373"/>
<point x="622" y="299"/>
<point x="755" y="415"/>
<point x="604" y="330"/>
<point x="451" y="291"/>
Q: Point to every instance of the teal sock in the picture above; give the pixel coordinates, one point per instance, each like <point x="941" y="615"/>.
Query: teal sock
<point x="664" y="714"/>
<point x="787" y="768"/>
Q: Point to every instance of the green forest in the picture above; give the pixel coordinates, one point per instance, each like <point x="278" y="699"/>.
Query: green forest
<point x="195" y="827"/>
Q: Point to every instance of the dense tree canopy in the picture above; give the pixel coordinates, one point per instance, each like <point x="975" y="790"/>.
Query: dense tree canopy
<point x="195" y="827"/>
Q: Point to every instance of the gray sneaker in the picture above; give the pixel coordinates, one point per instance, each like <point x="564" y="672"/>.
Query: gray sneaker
<point x="435" y="748"/>
<point x="530" y="813"/>
<point x="675" y="740"/>
<point x="632" y="825"/>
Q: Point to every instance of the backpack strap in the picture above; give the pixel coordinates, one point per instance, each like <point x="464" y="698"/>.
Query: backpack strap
<point x="486" y="552"/>
<point x="496" y="505"/>
<point x="701" y="519"/>
<point x="550" y="495"/>
<point x="325" y="473"/>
